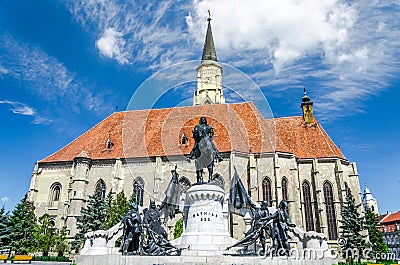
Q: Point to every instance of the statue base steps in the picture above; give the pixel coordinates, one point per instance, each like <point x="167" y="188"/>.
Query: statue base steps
<point x="197" y="260"/>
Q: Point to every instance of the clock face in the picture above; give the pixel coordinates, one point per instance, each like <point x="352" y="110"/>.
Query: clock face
<point x="207" y="80"/>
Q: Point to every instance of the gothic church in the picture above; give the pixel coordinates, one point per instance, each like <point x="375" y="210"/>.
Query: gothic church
<point x="290" y="158"/>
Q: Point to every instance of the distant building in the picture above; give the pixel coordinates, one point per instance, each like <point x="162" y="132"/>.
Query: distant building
<point x="290" y="158"/>
<point x="369" y="201"/>
<point x="390" y="227"/>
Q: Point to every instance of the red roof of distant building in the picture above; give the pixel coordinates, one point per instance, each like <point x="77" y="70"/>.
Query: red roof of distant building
<point x="380" y="217"/>
<point x="391" y="218"/>
<point x="237" y="127"/>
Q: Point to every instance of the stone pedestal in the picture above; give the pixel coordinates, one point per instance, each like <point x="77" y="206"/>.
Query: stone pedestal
<point x="95" y="243"/>
<point x="205" y="232"/>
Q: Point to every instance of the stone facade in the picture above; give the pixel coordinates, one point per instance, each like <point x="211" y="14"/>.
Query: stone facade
<point x="78" y="179"/>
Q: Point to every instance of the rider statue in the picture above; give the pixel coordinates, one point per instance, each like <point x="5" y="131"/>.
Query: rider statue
<point x="204" y="150"/>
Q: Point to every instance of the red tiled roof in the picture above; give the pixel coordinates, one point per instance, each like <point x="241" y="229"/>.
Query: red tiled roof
<point x="381" y="217"/>
<point x="304" y="140"/>
<point x="237" y="127"/>
<point x="391" y="218"/>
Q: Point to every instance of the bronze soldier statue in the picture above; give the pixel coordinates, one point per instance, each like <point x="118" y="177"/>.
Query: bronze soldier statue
<point x="260" y="217"/>
<point x="151" y="218"/>
<point x="281" y="224"/>
<point x="130" y="244"/>
<point x="259" y="230"/>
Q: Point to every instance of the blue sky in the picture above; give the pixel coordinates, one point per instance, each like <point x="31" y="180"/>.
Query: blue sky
<point x="66" y="65"/>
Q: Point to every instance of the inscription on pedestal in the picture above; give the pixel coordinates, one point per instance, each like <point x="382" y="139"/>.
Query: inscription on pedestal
<point x="205" y="216"/>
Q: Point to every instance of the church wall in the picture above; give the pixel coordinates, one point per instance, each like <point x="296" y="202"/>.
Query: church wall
<point x="326" y="173"/>
<point x="100" y="171"/>
<point x="305" y="169"/>
<point x="351" y="177"/>
<point x="287" y="169"/>
<point x="265" y="168"/>
<point x="42" y="198"/>
<point x="148" y="171"/>
<point x="120" y="175"/>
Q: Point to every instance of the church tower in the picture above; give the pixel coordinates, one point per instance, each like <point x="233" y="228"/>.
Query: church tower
<point x="307" y="107"/>
<point x="209" y="74"/>
<point x="369" y="201"/>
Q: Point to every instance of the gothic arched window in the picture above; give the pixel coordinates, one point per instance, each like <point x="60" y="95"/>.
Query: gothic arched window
<point x="266" y="190"/>
<point x="185" y="184"/>
<point x="55" y="192"/>
<point x="308" y="213"/>
<point x="330" y="211"/>
<point x="138" y="189"/>
<point x="101" y="188"/>
<point x="285" y="189"/>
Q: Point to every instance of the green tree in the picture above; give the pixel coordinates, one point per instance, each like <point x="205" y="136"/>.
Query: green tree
<point x="45" y="235"/>
<point x="92" y="218"/>
<point x="108" y="203"/>
<point x="5" y="229"/>
<point x="23" y="222"/>
<point x="61" y="242"/>
<point x="178" y="228"/>
<point x="376" y="239"/>
<point x="132" y="199"/>
<point x="352" y="231"/>
<point x="118" y="210"/>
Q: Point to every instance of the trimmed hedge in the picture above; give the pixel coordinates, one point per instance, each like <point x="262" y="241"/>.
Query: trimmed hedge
<point x="51" y="258"/>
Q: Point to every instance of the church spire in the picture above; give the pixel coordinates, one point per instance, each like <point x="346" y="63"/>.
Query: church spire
<point x="209" y="52"/>
<point x="307" y="107"/>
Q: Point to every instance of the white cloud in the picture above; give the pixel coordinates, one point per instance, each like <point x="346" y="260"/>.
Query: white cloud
<point x="111" y="44"/>
<point x="4" y="199"/>
<point x="150" y="32"/>
<point x="23" y="109"/>
<point x="343" y="51"/>
<point x="41" y="120"/>
<point x="48" y="78"/>
<point x="3" y="70"/>
<point x="348" y="51"/>
<point x="285" y="30"/>
<point x="19" y="108"/>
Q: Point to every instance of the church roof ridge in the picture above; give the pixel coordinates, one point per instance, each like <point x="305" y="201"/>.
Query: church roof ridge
<point x="287" y="117"/>
<point x="189" y="106"/>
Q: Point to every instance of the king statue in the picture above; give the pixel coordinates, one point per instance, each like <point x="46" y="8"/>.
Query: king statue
<point x="204" y="150"/>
